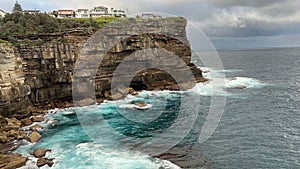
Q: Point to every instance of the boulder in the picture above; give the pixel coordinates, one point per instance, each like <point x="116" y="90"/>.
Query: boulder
<point x="21" y="135"/>
<point x="3" y="122"/>
<point x="3" y="137"/>
<point x="13" y="133"/>
<point x="132" y="92"/>
<point x="26" y="121"/>
<point x="117" y="96"/>
<point x="34" y="137"/>
<point x="12" y="124"/>
<point x="43" y="161"/>
<point x="107" y="94"/>
<point x="40" y="152"/>
<point x="37" y="118"/>
<point x="36" y="127"/>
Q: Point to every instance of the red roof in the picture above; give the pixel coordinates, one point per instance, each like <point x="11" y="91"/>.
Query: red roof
<point x="63" y="10"/>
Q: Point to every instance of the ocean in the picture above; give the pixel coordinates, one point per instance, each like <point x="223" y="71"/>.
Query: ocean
<point x="258" y="128"/>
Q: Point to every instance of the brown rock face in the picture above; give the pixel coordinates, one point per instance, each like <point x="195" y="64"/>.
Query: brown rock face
<point x="34" y="137"/>
<point x="42" y="75"/>
<point x="12" y="161"/>
<point x="40" y="152"/>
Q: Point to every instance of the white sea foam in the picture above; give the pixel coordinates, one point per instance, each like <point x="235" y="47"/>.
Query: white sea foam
<point x="243" y="82"/>
<point x="168" y="165"/>
<point x="218" y="83"/>
<point x="30" y="164"/>
<point x="93" y="155"/>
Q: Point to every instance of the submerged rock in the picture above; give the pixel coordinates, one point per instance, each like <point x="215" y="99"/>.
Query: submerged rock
<point x="141" y="104"/>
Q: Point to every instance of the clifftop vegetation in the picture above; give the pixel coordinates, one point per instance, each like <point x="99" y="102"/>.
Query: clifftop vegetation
<point x="18" y="24"/>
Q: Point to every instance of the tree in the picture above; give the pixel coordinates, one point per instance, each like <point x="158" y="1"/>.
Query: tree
<point x="17" y="8"/>
<point x="55" y="13"/>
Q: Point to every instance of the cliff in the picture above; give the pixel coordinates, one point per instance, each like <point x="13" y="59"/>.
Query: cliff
<point x="33" y="75"/>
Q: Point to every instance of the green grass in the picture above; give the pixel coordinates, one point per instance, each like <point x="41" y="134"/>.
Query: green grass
<point x="101" y="21"/>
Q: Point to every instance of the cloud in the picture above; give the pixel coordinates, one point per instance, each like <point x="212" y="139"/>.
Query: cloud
<point x="249" y="21"/>
<point x="217" y="18"/>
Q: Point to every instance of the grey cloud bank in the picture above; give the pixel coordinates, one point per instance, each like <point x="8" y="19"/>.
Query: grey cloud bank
<point x="228" y="23"/>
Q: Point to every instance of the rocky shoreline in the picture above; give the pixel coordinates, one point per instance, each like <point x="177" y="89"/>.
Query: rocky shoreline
<point x="12" y="134"/>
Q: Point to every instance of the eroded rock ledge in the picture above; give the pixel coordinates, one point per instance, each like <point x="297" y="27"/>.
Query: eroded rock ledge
<point x="42" y="75"/>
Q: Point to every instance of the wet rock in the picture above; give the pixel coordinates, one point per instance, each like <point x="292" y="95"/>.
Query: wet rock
<point x="12" y="161"/>
<point x="132" y="92"/>
<point x="241" y="87"/>
<point x="40" y="152"/>
<point x="44" y="161"/>
<point x="36" y="127"/>
<point x="117" y="96"/>
<point x="26" y="122"/>
<point x="34" y="137"/>
<point x="37" y="118"/>
<point x="141" y="104"/>
<point x="52" y="122"/>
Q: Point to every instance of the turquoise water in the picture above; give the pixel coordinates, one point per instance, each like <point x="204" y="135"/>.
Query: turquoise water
<point x="258" y="129"/>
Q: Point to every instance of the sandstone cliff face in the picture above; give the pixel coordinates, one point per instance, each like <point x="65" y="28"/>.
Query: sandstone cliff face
<point x="14" y="93"/>
<point x="43" y="74"/>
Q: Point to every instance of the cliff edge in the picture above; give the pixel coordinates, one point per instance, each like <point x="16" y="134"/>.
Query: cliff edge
<point x="41" y="74"/>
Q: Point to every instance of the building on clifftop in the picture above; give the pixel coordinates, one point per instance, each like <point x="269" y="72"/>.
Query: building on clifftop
<point x="2" y="13"/>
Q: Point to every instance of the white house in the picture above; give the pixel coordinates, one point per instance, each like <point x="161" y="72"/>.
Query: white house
<point x="119" y="13"/>
<point x="2" y="13"/>
<point x="82" y="13"/>
<point x="99" y="11"/>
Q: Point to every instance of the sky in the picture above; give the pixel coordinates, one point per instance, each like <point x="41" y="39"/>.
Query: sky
<point x="229" y="24"/>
